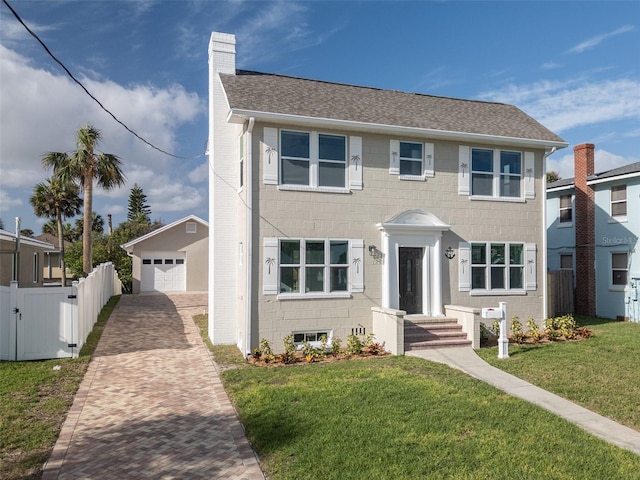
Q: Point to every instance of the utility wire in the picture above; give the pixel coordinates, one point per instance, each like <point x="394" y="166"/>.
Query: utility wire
<point x="33" y="34"/>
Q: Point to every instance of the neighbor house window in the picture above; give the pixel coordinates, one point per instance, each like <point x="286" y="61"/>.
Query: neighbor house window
<point x="497" y="266"/>
<point x="566" y="261"/>
<point x="192" y="227"/>
<point x="314" y="266"/>
<point x="619" y="269"/>
<point x="298" y="162"/>
<point x="496" y="173"/>
<point x="36" y="267"/>
<point x="619" y="201"/>
<point x="566" y="209"/>
<point x="411" y="159"/>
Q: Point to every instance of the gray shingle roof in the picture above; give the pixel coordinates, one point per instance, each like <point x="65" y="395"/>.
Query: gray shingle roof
<point x="615" y="172"/>
<point x="260" y="92"/>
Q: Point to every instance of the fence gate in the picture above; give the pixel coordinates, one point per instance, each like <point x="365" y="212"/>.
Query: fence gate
<point x="560" y="296"/>
<point x="45" y="323"/>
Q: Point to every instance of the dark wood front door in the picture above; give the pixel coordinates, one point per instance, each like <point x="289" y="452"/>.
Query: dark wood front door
<point x="410" y="280"/>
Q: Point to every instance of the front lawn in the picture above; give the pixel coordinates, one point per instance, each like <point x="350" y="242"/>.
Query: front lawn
<point x="601" y="373"/>
<point x="406" y="418"/>
<point x="34" y="399"/>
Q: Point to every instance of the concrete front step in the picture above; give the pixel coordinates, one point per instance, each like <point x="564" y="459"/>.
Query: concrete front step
<point x="433" y="332"/>
<point x="436" y="344"/>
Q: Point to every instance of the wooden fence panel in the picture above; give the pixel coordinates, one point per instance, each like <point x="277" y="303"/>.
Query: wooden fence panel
<point x="560" y="293"/>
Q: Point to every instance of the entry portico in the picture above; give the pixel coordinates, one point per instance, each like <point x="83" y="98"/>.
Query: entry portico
<point x="412" y="271"/>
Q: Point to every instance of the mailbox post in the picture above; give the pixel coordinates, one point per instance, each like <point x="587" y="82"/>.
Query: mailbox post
<point x="501" y="314"/>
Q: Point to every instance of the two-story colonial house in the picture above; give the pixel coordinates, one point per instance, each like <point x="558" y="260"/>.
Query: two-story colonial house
<point x="332" y="206"/>
<point x="593" y="225"/>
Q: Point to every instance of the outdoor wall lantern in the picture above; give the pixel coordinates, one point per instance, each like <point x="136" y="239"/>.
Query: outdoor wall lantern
<point x="449" y="253"/>
<point x="375" y="253"/>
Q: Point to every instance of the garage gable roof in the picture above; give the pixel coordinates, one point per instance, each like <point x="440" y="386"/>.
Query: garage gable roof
<point x="190" y="218"/>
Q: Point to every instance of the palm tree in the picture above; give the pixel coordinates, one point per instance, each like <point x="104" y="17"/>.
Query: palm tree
<point x="56" y="199"/>
<point x="82" y="167"/>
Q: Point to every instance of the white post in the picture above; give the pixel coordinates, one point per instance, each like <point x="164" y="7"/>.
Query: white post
<point x="503" y="341"/>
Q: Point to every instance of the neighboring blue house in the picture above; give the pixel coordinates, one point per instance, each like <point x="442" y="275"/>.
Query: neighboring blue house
<point x="593" y="225"/>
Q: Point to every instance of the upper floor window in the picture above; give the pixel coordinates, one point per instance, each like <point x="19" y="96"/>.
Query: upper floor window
<point x="566" y="261"/>
<point x="411" y="158"/>
<point x="497" y="266"/>
<point x="302" y="154"/>
<point x="496" y="173"/>
<point x="619" y="201"/>
<point x="566" y="209"/>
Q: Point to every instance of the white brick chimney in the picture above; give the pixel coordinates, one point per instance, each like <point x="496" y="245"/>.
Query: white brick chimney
<point x="222" y="53"/>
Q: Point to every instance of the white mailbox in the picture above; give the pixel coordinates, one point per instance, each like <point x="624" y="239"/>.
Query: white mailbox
<point x="489" y="312"/>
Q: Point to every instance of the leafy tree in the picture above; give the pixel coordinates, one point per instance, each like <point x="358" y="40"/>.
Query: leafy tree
<point x="97" y="226"/>
<point x="1" y="224"/>
<point x="26" y="232"/>
<point x="553" y="176"/>
<point x="138" y="210"/>
<point x="51" y="227"/>
<point x="84" y="166"/>
<point x="56" y="199"/>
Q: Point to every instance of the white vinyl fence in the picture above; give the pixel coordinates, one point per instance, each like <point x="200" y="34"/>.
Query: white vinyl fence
<point x="53" y="322"/>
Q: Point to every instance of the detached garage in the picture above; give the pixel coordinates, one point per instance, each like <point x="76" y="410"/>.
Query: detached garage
<point x="173" y="258"/>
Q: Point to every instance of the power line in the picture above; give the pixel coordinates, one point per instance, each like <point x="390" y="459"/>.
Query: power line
<point x="34" y="35"/>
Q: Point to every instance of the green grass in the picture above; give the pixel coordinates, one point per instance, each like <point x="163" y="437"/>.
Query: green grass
<point x="34" y="400"/>
<point x="601" y="373"/>
<point x="405" y="418"/>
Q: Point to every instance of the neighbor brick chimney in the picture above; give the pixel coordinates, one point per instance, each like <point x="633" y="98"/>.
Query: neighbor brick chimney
<point x="585" y="230"/>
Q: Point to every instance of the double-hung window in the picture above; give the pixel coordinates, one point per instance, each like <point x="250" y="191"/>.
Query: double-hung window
<point x="619" y="269"/>
<point x="496" y="173"/>
<point x="619" y="201"/>
<point x="497" y="266"/>
<point x="296" y="157"/>
<point x="566" y="209"/>
<point x="411" y="159"/>
<point x="313" y="159"/>
<point x="314" y="266"/>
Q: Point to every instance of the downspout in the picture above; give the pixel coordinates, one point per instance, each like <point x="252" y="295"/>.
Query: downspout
<point x="547" y="154"/>
<point x="249" y="242"/>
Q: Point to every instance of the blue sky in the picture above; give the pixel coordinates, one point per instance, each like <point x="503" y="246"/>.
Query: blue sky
<point x="573" y="66"/>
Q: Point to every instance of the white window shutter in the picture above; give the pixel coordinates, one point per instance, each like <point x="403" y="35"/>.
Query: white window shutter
<point x="429" y="160"/>
<point x="270" y="266"/>
<point x="529" y="175"/>
<point x="356" y="270"/>
<point x="355" y="163"/>
<point x="270" y="157"/>
<point x="530" y="266"/>
<point x="464" y="170"/>
<point x="464" y="267"/>
<point x="394" y="157"/>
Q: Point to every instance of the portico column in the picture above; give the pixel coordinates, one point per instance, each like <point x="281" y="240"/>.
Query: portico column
<point x="386" y="270"/>
<point x="436" y="279"/>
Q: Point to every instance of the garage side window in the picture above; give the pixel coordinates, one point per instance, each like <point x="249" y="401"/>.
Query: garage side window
<point x="146" y="261"/>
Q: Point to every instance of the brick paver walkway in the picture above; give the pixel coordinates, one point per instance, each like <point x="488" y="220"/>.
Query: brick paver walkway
<point x="151" y="404"/>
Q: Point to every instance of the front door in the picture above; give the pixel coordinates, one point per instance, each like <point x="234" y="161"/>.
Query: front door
<point x="410" y="279"/>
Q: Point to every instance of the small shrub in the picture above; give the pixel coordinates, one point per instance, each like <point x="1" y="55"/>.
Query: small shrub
<point x="265" y="351"/>
<point x="534" y="333"/>
<point x="485" y="334"/>
<point x="516" y="329"/>
<point x="289" y="354"/>
<point x="372" y="346"/>
<point x="310" y="352"/>
<point x="495" y="328"/>
<point x="354" y="345"/>
<point x="323" y="346"/>
<point x="336" y="345"/>
<point x="584" y="332"/>
<point x="553" y="334"/>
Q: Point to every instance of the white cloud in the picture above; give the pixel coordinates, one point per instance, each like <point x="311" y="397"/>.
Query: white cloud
<point x="561" y="106"/>
<point x="603" y="161"/>
<point x="598" y="39"/>
<point x="7" y="202"/>
<point x="200" y="173"/>
<point x="550" y="65"/>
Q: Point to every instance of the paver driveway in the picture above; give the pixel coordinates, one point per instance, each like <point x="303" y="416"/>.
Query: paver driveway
<point x="151" y="404"/>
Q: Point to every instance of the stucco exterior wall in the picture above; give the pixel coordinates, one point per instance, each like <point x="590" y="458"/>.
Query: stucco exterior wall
<point x="26" y="264"/>
<point x="354" y="215"/>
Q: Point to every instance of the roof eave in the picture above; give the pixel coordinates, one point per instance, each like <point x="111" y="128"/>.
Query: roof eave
<point x="241" y="116"/>
<point x="128" y="245"/>
<point x="613" y="178"/>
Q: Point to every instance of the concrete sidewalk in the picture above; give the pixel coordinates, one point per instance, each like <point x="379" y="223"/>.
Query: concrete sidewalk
<point x="465" y="359"/>
<point x="151" y="405"/>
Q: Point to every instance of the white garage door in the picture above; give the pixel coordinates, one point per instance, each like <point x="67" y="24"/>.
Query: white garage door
<point x="163" y="272"/>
